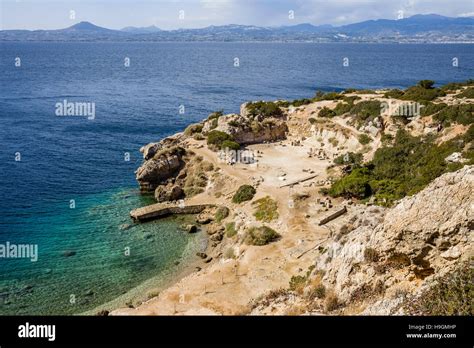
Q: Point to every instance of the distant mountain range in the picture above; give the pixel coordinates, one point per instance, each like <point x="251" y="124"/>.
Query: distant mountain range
<point x="418" y="28"/>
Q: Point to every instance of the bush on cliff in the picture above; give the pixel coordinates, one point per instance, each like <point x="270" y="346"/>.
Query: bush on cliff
<point x="216" y="138"/>
<point x="230" y="144"/>
<point x="462" y="114"/>
<point x="244" y="193"/>
<point x="451" y="295"/>
<point x="193" y="129"/>
<point x="467" y="93"/>
<point x="261" y="235"/>
<point x="326" y="112"/>
<point x="424" y="91"/>
<point x="364" y="139"/>
<point x="394" y="93"/>
<point x="368" y="109"/>
<point x="265" y="109"/>
<point x="350" y="158"/>
<point x="355" y="185"/>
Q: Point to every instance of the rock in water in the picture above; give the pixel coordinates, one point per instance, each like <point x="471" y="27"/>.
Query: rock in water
<point x="191" y="228"/>
<point x="69" y="253"/>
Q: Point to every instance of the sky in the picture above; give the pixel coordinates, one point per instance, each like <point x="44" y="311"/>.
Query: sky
<point x="175" y="14"/>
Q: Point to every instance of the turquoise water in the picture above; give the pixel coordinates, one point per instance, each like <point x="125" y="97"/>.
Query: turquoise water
<point x="100" y="233"/>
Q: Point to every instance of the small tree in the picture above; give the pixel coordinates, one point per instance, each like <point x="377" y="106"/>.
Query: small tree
<point x="426" y="84"/>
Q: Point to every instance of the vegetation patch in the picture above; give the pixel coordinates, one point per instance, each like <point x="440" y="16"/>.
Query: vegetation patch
<point x="451" y="295"/>
<point x="244" y="193"/>
<point x="265" y="109"/>
<point x="364" y="139"/>
<point x="424" y="91"/>
<point x="230" y="145"/>
<point x="350" y="158"/>
<point x="221" y="213"/>
<point x="402" y="169"/>
<point x="366" y="110"/>
<point x="462" y="114"/>
<point x="261" y="235"/>
<point x="432" y="108"/>
<point x="217" y="139"/>
<point x="266" y="209"/>
<point x="230" y="229"/>
<point x="326" y="112"/>
<point x="193" y="129"/>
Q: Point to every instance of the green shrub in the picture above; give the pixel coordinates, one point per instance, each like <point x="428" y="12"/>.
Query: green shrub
<point x="266" y="209"/>
<point x="230" y="229"/>
<point x="432" y="108"/>
<point x="451" y="295"/>
<point x="333" y="141"/>
<point x="364" y="139"/>
<point x="312" y="120"/>
<point x="215" y="115"/>
<point x="349" y="158"/>
<point x="244" y="193"/>
<point x="192" y="191"/>
<point x="356" y="184"/>
<point x="265" y="109"/>
<point x="221" y="213"/>
<point x="386" y="138"/>
<point x="463" y="114"/>
<point x="261" y="235"/>
<point x="403" y="168"/>
<point x="342" y="108"/>
<point x="467" y="93"/>
<point x="368" y="109"/>
<point x="299" y="102"/>
<point x="230" y="144"/>
<point x="297" y="283"/>
<point x="318" y="292"/>
<point x="193" y="129"/>
<point x="216" y="138"/>
<point x="426" y="84"/>
<point x="424" y="91"/>
<point x="327" y="96"/>
<point x="394" y="93"/>
<point x="326" y="112"/>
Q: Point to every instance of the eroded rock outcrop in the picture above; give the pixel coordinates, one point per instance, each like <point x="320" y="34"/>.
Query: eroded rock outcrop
<point x="163" y="165"/>
<point x="421" y="238"/>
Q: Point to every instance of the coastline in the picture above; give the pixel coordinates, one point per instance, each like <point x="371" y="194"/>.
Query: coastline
<point x="267" y="272"/>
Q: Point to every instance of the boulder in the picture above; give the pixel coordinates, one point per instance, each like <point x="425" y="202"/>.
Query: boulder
<point x="155" y="171"/>
<point x="167" y="193"/>
<point x="191" y="228"/>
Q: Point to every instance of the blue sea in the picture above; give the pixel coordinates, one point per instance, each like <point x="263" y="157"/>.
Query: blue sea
<point x="67" y="184"/>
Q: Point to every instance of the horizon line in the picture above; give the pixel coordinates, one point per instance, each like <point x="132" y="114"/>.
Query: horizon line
<point x="245" y="25"/>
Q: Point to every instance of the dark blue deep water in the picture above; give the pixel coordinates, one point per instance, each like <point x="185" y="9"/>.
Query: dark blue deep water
<point x="73" y="158"/>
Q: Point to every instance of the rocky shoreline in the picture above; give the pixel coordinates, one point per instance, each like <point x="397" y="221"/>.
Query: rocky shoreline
<point x="264" y="210"/>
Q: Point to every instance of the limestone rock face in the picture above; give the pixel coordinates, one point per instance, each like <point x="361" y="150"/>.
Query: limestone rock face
<point x="156" y="171"/>
<point x="422" y="238"/>
<point x="247" y="130"/>
<point x="150" y="150"/>
<point x="168" y="193"/>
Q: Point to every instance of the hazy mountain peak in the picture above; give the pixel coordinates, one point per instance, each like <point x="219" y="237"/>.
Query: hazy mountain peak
<point x="86" y="26"/>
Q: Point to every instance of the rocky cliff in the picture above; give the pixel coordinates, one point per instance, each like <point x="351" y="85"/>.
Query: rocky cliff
<point x="377" y="257"/>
